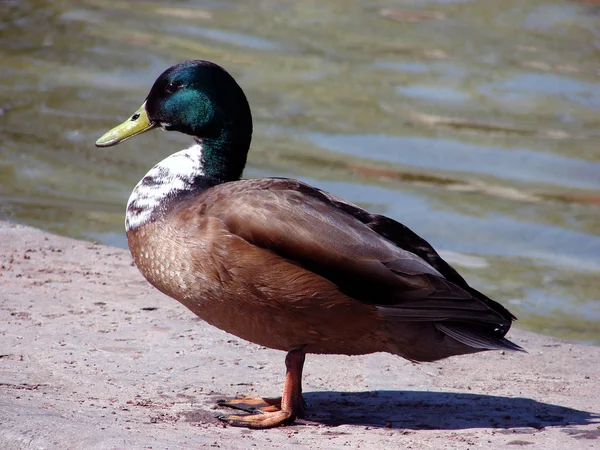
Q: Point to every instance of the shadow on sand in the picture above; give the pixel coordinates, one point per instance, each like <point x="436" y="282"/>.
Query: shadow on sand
<point x="419" y="410"/>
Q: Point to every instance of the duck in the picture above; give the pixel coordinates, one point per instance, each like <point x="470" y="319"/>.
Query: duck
<point x="280" y="263"/>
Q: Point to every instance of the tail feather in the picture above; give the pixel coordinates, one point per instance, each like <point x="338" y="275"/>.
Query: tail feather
<point x="476" y="338"/>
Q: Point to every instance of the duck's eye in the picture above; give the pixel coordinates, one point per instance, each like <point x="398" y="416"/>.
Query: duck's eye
<point x="171" y="87"/>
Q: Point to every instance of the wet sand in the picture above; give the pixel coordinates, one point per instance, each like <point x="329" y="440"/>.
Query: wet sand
<point x="93" y="357"/>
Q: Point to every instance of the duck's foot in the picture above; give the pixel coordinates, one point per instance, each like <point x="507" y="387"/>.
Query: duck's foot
<point x="272" y="412"/>
<point x="263" y="412"/>
<point x="260" y="420"/>
<point x="253" y="405"/>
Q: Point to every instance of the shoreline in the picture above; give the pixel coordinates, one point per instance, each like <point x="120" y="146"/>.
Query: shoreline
<point x="93" y="357"/>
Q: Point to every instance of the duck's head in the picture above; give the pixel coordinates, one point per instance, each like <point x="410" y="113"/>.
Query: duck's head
<point x="198" y="98"/>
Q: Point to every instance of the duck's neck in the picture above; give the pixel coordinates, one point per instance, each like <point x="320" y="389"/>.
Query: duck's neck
<point x="224" y="156"/>
<point x="207" y="163"/>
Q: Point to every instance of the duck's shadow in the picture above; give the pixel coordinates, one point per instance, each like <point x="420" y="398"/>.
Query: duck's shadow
<point x="417" y="410"/>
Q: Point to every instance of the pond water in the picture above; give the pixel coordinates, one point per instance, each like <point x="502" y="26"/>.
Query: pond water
<point x="475" y="123"/>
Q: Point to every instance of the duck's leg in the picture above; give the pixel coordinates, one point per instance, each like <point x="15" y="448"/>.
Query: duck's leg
<point x="271" y="413"/>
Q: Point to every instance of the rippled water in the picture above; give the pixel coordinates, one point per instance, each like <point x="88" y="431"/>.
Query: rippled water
<point x="476" y="123"/>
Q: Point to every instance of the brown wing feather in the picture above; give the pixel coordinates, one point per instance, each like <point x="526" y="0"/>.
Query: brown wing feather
<point x="405" y="238"/>
<point x="334" y="239"/>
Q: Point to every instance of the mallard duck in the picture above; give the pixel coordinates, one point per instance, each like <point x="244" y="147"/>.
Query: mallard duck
<point x="278" y="262"/>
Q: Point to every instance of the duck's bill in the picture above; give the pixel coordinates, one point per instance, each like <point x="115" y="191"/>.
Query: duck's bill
<point x="138" y="123"/>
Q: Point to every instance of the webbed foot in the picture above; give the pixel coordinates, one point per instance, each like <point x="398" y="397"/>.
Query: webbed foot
<point x="271" y="412"/>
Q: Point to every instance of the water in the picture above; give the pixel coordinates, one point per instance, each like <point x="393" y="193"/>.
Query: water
<point x="476" y="123"/>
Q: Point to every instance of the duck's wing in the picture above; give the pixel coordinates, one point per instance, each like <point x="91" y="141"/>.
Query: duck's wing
<point x="408" y="240"/>
<point x="344" y="244"/>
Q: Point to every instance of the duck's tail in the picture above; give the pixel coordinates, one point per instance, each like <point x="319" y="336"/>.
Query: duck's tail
<point x="477" y="337"/>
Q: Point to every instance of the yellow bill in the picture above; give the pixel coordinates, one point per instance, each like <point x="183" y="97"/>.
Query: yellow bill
<point x="138" y="123"/>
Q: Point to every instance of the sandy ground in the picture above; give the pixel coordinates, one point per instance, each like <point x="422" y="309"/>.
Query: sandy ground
<point x="92" y="357"/>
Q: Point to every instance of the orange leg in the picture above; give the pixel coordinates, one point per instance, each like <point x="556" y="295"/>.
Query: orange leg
<point x="270" y="413"/>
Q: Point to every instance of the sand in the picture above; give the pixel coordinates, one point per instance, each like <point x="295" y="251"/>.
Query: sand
<point x="92" y="357"/>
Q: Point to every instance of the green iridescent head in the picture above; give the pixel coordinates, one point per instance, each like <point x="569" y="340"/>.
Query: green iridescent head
<point x="201" y="99"/>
